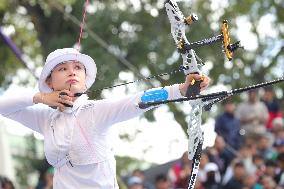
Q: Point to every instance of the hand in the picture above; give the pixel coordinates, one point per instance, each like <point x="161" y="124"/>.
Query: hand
<point x="188" y="80"/>
<point x="54" y="99"/>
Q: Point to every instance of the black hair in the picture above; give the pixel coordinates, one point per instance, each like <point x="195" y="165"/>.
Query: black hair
<point x="161" y="177"/>
<point x="270" y="163"/>
<point x="4" y="181"/>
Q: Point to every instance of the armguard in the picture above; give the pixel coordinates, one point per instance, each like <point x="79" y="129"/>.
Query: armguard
<point x="154" y="95"/>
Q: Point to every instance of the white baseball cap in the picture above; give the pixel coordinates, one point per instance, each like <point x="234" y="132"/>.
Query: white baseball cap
<point x="62" y="55"/>
<point x="211" y="167"/>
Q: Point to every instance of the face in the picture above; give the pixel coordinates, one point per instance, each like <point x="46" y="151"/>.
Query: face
<point x="239" y="172"/>
<point x="69" y="75"/>
<point x="164" y="184"/>
<point x="252" y="96"/>
<point x="136" y="186"/>
<point x="219" y="143"/>
<point x="229" y="107"/>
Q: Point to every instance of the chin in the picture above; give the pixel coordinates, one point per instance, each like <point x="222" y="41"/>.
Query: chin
<point x="77" y="89"/>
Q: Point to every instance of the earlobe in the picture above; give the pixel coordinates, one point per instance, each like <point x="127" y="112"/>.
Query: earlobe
<point x="49" y="83"/>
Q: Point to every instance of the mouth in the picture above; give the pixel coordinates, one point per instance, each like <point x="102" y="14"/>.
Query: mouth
<point x="72" y="81"/>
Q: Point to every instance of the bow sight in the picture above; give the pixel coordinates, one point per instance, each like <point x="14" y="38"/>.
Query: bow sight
<point x="183" y="45"/>
<point x="224" y="37"/>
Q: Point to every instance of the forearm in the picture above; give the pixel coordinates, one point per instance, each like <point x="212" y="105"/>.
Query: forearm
<point x="113" y="111"/>
<point x="13" y="104"/>
<point x="21" y="109"/>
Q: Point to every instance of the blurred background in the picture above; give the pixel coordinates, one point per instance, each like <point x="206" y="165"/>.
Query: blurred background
<point x="129" y="40"/>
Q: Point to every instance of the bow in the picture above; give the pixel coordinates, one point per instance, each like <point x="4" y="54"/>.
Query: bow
<point x="192" y="64"/>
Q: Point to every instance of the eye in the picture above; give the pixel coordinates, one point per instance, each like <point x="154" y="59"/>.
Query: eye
<point x="79" y="67"/>
<point x="62" y="69"/>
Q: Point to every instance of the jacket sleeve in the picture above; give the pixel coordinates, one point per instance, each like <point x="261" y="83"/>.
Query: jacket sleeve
<point x="107" y="112"/>
<point x="22" y="109"/>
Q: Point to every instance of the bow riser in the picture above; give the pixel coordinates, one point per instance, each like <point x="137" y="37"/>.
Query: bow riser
<point x="178" y="23"/>
<point x="195" y="134"/>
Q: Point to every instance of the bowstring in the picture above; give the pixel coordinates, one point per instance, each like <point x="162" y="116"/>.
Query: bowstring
<point x="175" y="71"/>
<point x="82" y="24"/>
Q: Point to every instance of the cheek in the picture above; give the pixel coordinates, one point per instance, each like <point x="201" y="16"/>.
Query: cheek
<point x="56" y="79"/>
<point x="83" y="76"/>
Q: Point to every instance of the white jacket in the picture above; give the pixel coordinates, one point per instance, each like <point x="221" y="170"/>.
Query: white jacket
<point x="76" y="141"/>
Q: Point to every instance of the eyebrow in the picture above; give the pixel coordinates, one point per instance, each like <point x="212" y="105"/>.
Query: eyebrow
<point x="66" y="62"/>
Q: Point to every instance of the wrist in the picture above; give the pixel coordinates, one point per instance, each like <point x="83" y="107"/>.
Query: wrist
<point x="38" y="98"/>
<point x="182" y="89"/>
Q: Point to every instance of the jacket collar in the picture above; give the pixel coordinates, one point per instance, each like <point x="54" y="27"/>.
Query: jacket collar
<point x="77" y="103"/>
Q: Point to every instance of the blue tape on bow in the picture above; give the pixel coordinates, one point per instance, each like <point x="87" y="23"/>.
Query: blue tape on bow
<point x="155" y="95"/>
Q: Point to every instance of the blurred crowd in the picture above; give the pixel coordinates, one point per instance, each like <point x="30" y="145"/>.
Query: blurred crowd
<point x="248" y="152"/>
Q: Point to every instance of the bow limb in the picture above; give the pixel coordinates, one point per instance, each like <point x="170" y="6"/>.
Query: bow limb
<point x="195" y="142"/>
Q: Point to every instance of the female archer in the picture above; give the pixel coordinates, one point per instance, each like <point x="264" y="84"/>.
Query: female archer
<point x="75" y="129"/>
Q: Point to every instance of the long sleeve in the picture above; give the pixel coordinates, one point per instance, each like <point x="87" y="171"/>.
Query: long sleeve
<point x="108" y="112"/>
<point x="22" y="110"/>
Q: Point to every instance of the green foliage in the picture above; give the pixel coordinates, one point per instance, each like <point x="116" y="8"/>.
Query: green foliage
<point x="140" y="33"/>
<point x="28" y="161"/>
<point x="126" y="165"/>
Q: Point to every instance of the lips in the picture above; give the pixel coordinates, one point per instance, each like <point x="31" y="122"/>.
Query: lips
<point x="71" y="81"/>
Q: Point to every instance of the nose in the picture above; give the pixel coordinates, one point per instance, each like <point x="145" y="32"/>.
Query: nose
<point x="72" y="71"/>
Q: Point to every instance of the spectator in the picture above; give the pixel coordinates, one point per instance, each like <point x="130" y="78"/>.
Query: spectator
<point x="272" y="105"/>
<point x="135" y="182"/>
<point x="280" y="164"/>
<point x="47" y="180"/>
<point x="268" y="182"/>
<point x="253" y="115"/>
<point x="277" y="127"/>
<point x="279" y="145"/>
<point x="220" y="155"/>
<point x="228" y="126"/>
<point x="6" y="183"/>
<point x="162" y="182"/>
<point x="264" y="146"/>
<point x="213" y="177"/>
<point x="140" y="174"/>
<point x="236" y="182"/>
<point x="258" y="165"/>
<point x="270" y="168"/>
<point x="203" y="162"/>
<point x="184" y="176"/>
<point x="179" y="173"/>
<point x="247" y="151"/>
<point x="250" y="181"/>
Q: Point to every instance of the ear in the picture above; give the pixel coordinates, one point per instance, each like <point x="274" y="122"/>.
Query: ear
<point x="49" y="82"/>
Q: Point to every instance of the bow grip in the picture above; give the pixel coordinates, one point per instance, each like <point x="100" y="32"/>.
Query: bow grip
<point x="194" y="88"/>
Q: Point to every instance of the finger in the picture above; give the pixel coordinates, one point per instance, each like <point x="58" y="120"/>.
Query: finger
<point x="196" y="77"/>
<point x="65" y="93"/>
<point x="65" y="97"/>
<point x="61" y="109"/>
<point x="204" y="84"/>
<point x="68" y="93"/>
<point x="60" y="106"/>
<point x="66" y="103"/>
